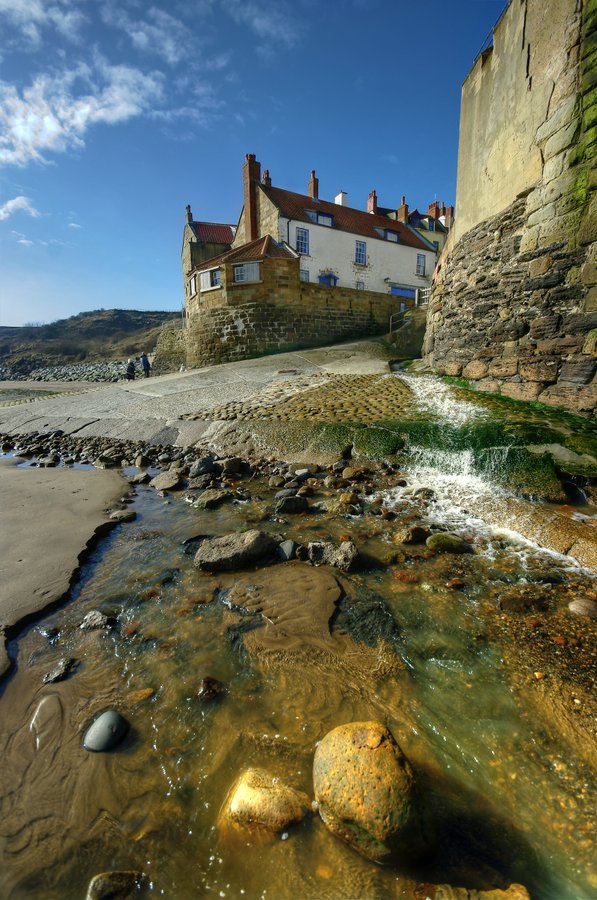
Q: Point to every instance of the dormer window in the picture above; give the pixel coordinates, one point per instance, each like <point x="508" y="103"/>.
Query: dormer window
<point x="392" y="236"/>
<point x="325" y="219"/>
<point x="430" y="224"/>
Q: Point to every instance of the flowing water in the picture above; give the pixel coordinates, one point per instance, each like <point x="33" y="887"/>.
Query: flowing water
<point x="512" y="796"/>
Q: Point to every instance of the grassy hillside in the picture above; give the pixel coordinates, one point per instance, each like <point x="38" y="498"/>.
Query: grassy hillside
<point x="98" y="336"/>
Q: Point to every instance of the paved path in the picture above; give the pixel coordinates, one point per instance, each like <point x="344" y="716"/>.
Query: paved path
<point x="150" y="409"/>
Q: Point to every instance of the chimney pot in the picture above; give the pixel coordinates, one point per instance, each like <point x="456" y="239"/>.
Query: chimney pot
<point x="313" y="186"/>
<point x="251" y="176"/>
<point x="189" y="214"/>
<point x="372" y="202"/>
<point x="266" y="180"/>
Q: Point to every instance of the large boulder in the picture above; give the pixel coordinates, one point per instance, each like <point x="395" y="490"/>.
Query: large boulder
<point x="366" y="793"/>
<point x="446" y="542"/>
<point x="234" y="551"/>
<point x="326" y="553"/>
<point x="260" y="799"/>
<point x="166" y="481"/>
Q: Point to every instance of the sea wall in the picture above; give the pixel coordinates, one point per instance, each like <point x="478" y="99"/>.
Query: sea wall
<point x="514" y="306"/>
<point x="170" y="351"/>
<point x="308" y="316"/>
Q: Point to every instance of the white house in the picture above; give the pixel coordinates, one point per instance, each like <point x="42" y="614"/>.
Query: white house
<point x="338" y="245"/>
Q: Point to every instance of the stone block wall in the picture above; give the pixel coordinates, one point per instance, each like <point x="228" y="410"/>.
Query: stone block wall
<point x="171" y="351"/>
<point x="514" y="306"/>
<point x="257" y="320"/>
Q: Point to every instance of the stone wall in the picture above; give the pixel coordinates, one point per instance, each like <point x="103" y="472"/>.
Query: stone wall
<point x="170" y="351"/>
<point x="514" y="306"/>
<point x="254" y="322"/>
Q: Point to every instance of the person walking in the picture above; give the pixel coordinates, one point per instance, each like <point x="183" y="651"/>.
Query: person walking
<point x="145" y="364"/>
<point x="130" y="370"/>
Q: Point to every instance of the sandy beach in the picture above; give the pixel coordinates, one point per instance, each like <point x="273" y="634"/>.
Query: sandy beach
<point x="48" y="518"/>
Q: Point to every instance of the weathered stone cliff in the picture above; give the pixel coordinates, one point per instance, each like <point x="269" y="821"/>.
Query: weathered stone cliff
<point x="514" y="307"/>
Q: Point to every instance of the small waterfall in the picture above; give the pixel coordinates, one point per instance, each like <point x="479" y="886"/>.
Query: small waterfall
<point x="467" y="480"/>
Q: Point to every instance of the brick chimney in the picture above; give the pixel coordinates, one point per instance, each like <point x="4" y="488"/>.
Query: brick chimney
<point x="189" y="214"/>
<point x="251" y="177"/>
<point x="313" y="186"/>
<point x="449" y="217"/>
<point x="372" y="202"/>
<point x="402" y="211"/>
<point x="433" y="210"/>
<point x="266" y="180"/>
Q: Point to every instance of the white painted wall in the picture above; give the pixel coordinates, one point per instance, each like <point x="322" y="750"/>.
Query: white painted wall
<point x="334" y="251"/>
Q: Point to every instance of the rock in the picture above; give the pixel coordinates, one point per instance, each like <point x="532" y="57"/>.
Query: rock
<point x="286" y="550"/>
<point x="211" y="499"/>
<point x="325" y="553"/>
<point x="116" y="886"/>
<point x="418" y="534"/>
<point x="203" y="466"/>
<point x="139" y="478"/>
<point x="123" y="515"/>
<point x="284" y="493"/>
<point x="165" y="481"/>
<point x="366" y="794"/>
<point x="446" y="542"/>
<point x="447" y="892"/>
<point x="584" y="607"/>
<point x="106" y="732"/>
<point x="232" y="465"/>
<point x="59" y="672"/>
<point x="209" y="689"/>
<point x="292" y="505"/>
<point x="258" y="798"/>
<point x="234" y="551"/>
<point x="95" y="619"/>
<point x="526" y="598"/>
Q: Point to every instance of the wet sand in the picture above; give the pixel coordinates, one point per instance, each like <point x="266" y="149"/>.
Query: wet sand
<point x="48" y="517"/>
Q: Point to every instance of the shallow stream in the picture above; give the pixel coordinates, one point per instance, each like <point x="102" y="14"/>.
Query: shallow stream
<point x="512" y="795"/>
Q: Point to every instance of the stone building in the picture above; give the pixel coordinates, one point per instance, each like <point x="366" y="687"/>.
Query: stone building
<point x="297" y="271"/>
<point x="514" y="306"/>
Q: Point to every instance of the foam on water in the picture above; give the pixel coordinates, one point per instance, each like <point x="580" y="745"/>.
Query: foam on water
<point x="435" y="397"/>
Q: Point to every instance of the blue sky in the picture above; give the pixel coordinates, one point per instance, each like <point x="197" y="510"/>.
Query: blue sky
<point x="114" y="114"/>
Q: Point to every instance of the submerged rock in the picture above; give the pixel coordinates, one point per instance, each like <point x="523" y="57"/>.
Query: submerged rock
<point x="584" y="607"/>
<point x="325" y="553"/>
<point x="95" y="619"/>
<point x="209" y="689"/>
<point x="260" y="799"/>
<point x="291" y="504"/>
<point x="116" y="885"/>
<point x="447" y="542"/>
<point x="366" y="793"/>
<point x="234" y="551"/>
<point x="60" y="671"/>
<point x="106" y="732"/>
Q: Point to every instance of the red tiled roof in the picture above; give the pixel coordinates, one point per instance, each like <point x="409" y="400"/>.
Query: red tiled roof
<point x="260" y="249"/>
<point x="355" y="221"/>
<point x="213" y="233"/>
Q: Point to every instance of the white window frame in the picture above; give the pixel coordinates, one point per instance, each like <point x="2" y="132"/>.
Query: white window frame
<point x="210" y="280"/>
<point x="421" y="262"/>
<point x="360" y="285"/>
<point x="304" y="275"/>
<point x="302" y="241"/>
<point x="360" y="253"/>
<point x="392" y="236"/>
<point x="325" y="219"/>
<point x="193" y="285"/>
<point x="247" y="273"/>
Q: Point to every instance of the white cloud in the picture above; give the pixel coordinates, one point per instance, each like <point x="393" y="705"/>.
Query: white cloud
<point x="160" y="34"/>
<point x="20" y="203"/>
<point x="31" y="17"/>
<point x="25" y="242"/>
<point x="54" y="113"/>
<point x="74" y="225"/>
<point x="271" y="22"/>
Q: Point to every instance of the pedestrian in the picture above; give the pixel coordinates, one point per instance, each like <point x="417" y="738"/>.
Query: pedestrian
<point x="130" y="370"/>
<point x="145" y="364"/>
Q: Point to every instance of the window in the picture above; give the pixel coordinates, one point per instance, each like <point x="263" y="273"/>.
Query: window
<point x="304" y="274"/>
<point x="420" y="263"/>
<point x="392" y="236"/>
<point x="360" y="253"/>
<point x="399" y="290"/>
<point x="302" y="240"/>
<point x="246" y="272"/>
<point x="430" y="224"/>
<point x="324" y="219"/>
<point x="210" y="279"/>
<point x="328" y="278"/>
<point x="360" y="285"/>
<point x="193" y="285"/>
